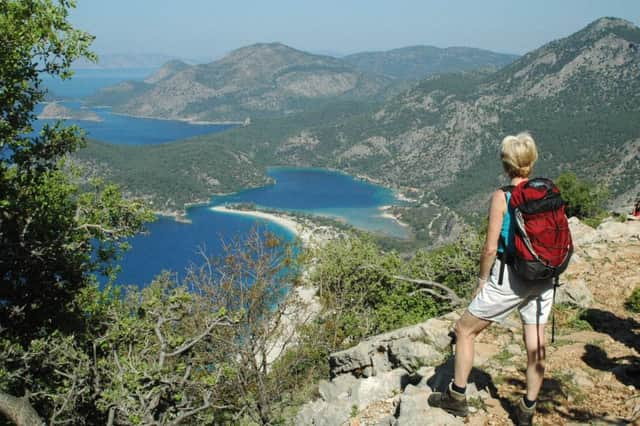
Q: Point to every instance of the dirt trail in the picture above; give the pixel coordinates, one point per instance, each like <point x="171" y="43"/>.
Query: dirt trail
<point x="593" y="369"/>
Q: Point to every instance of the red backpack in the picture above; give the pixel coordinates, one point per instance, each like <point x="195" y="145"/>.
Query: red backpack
<point x="542" y="243"/>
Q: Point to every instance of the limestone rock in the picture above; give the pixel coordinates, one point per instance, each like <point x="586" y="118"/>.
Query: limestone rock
<point x="338" y="388"/>
<point x="607" y="231"/>
<point x="413" y="354"/>
<point x="379" y="387"/>
<point x="321" y="413"/>
<point x="581" y="233"/>
<point x="388" y="421"/>
<point x="575" y="293"/>
<point x="350" y="360"/>
<point x="615" y="231"/>
<point x="408" y="347"/>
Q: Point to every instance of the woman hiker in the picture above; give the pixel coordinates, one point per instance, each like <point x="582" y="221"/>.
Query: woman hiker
<point x="493" y="302"/>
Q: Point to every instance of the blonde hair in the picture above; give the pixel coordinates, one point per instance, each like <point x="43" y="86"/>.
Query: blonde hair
<point x="518" y="155"/>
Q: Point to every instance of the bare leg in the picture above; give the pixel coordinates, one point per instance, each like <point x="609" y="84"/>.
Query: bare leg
<point x="534" y="342"/>
<point x="467" y="328"/>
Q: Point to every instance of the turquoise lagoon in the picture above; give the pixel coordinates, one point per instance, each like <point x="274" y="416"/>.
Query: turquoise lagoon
<point x="174" y="246"/>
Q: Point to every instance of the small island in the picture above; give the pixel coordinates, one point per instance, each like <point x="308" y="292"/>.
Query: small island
<point x="55" y="111"/>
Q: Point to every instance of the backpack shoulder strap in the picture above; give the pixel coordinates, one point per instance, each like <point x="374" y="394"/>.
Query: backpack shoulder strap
<point x="507" y="188"/>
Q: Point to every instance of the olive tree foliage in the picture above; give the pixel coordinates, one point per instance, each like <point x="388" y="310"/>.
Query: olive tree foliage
<point x="49" y="226"/>
<point x="154" y="365"/>
<point x="201" y="351"/>
<point x="255" y="281"/>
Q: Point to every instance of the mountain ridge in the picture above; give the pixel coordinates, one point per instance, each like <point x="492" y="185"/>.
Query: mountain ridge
<point x="273" y="79"/>
<point x="419" y="61"/>
<point x="580" y="97"/>
<point x="447" y="129"/>
<point x="261" y="80"/>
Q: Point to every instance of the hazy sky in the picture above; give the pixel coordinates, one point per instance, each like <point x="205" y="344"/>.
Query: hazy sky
<point x="208" y="28"/>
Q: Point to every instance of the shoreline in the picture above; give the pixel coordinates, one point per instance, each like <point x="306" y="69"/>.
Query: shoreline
<point x="123" y="114"/>
<point x="292" y="224"/>
<point x="184" y="120"/>
<point x="286" y="222"/>
<point x="387" y="215"/>
<point x="398" y="192"/>
<point x="181" y="215"/>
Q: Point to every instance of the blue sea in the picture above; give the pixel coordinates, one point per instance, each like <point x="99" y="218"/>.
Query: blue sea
<point x="85" y="82"/>
<point x="116" y="128"/>
<point x="126" y="130"/>
<point x="174" y="246"/>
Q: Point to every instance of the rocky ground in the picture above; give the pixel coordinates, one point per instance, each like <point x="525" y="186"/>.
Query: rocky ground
<point x="593" y="368"/>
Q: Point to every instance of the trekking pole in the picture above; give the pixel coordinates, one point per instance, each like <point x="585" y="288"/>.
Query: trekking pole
<point x="556" y="281"/>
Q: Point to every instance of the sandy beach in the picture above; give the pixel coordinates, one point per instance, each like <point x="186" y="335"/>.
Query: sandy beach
<point x="387" y="215"/>
<point x="285" y="222"/>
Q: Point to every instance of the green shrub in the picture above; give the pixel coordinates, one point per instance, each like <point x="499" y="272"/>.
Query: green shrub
<point x="583" y="198"/>
<point x="633" y="302"/>
<point x="370" y="291"/>
<point x="570" y="318"/>
<point x="356" y="281"/>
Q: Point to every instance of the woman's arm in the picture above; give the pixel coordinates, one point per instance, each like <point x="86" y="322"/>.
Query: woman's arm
<point x="496" y="214"/>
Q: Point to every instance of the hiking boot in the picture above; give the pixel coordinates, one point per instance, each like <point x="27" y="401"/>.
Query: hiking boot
<point x="451" y="401"/>
<point x="524" y="415"/>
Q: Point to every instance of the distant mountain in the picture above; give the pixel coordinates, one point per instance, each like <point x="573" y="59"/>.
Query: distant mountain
<point x="129" y="60"/>
<point x="579" y="96"/>
<point x="418" y="62"/>
<point x="167" y="70"/>
<point x="262" y="80"/>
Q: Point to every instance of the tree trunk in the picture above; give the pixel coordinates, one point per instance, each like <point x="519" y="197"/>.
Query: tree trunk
<point x="19" y="410"/>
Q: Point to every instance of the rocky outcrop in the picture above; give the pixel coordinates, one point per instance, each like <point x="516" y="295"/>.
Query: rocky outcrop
<point x="387" y="379"/>
<point x="574" y="292"/>
<point x="407" y="348"/>
<point x="610" y="230"/>
<point x="385" y="374"/>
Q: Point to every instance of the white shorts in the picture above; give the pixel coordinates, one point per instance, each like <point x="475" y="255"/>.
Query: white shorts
<point x="495" y="302"/>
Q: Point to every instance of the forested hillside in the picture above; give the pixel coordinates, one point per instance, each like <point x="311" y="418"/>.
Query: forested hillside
<point x="178" y="175"/>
